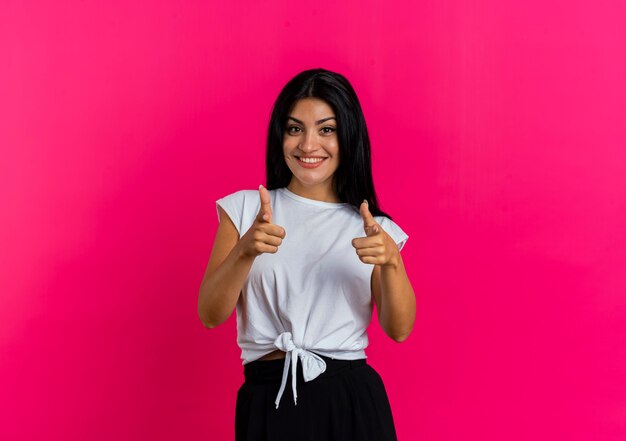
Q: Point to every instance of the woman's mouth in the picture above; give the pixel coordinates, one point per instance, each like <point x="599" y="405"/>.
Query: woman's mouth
<point x="312" y="162"/>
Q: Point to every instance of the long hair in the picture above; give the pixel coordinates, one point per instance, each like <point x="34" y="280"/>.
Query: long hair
<point x="353" y="178"/>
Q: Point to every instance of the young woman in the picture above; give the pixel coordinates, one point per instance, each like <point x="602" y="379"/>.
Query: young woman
<point x="302" y="262"/>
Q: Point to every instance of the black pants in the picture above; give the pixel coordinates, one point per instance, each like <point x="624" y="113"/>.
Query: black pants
<point x="346" y="402"/>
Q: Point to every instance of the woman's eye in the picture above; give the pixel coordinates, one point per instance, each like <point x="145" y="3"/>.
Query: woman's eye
<point x="325" y="130"/>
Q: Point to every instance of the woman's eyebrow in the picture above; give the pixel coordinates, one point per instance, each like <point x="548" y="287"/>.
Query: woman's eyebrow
<point x="316" y="122"/>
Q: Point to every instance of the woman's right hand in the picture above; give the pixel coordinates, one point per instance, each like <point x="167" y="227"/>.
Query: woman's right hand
<point x="263" y="236"/>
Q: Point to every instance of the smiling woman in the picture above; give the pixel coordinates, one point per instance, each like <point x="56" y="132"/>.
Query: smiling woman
<point x="303" y="262"/>
<point x="310" y="143"/>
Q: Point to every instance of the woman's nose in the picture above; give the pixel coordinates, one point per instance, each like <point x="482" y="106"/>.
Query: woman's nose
<point x="309" y="142"/>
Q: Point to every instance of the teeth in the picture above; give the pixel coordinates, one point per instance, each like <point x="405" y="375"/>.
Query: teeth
<point x="311" y="160"/>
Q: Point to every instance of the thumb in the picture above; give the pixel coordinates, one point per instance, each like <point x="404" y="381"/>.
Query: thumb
<point x="265" y="212"/>
<point x="369" y="223"/>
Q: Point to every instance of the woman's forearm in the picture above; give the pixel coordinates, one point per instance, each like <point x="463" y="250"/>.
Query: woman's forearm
<point x="397" y="311"/>
<point x="220" y="291"/>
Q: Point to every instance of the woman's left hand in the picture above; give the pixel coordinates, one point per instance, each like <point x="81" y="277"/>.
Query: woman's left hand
<point x="377" y="247"/>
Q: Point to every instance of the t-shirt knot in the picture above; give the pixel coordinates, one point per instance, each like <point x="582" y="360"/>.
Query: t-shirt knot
<point x="312" y="364"/>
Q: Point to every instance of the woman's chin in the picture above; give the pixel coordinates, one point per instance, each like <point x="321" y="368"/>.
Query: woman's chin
<point x="310" y="181"/>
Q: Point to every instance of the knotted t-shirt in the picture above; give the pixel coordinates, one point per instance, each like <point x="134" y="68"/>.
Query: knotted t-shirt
<point x="313" y="296"/>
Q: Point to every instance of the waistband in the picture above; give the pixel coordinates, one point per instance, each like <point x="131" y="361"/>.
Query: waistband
<point x="271" y="371"/>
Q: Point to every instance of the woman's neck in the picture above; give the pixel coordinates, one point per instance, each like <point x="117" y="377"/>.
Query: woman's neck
<point x="322" y="192"/>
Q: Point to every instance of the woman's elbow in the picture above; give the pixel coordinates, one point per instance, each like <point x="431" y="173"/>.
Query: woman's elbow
<point x="207" y="322"/>
<point x="399" y="337"/>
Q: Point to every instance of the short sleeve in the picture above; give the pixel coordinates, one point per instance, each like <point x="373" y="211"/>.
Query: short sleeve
<point x="233" y="206"/>
<point x="394" y="230"/>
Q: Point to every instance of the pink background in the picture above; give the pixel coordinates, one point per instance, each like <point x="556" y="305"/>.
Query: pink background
<point x="499" y="145"/>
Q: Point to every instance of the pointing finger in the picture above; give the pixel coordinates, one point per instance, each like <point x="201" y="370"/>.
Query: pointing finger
<point x="265" y="212"/>
<point x="369" y="223"/>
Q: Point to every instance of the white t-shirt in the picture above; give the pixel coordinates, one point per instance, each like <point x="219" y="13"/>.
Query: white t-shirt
<point x="313" y="296"/>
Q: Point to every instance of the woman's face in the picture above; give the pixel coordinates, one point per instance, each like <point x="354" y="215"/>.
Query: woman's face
<point x="311" y="132"/>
